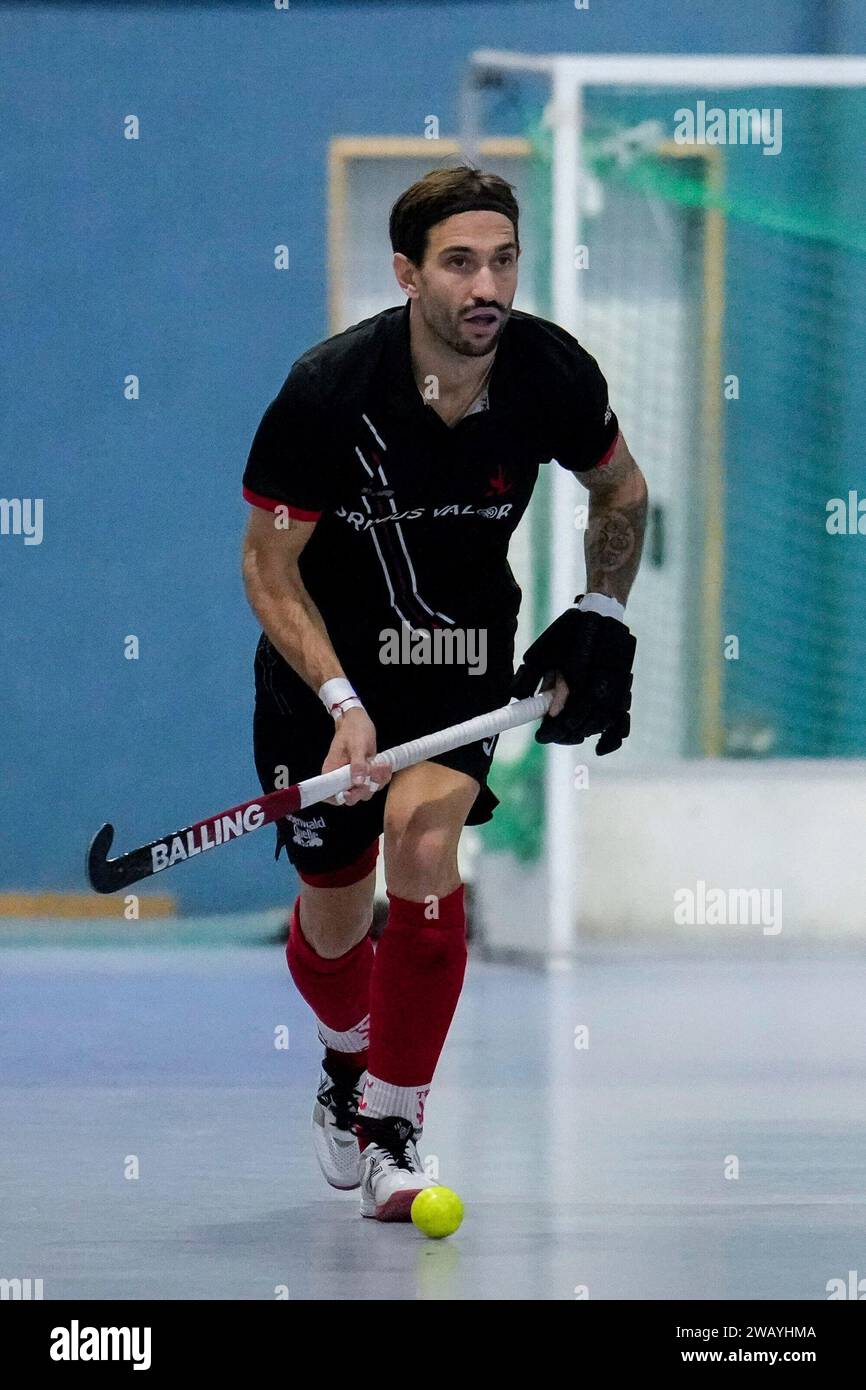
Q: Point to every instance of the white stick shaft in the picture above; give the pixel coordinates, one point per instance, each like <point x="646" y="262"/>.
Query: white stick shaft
<point x="417" y="750"/>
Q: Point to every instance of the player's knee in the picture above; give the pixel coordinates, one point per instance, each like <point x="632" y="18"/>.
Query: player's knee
<point x="333" y="937"/>
<point x="334" y="920"/>
<point x="420" y="858"/>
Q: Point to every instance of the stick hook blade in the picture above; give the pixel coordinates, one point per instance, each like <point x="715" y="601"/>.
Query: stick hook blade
<point x="98" y="863"/>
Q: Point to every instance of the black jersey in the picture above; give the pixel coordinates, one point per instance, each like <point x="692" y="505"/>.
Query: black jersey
<point x="414" y="517"/>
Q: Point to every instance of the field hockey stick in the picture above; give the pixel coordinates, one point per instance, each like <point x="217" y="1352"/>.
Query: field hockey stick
<point x="110" y="875"/>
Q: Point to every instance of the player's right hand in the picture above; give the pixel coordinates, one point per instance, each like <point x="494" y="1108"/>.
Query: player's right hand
<point x="355" y="742"/>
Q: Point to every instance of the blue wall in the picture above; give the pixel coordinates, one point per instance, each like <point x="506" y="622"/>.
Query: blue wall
<point x="155" y="257"/>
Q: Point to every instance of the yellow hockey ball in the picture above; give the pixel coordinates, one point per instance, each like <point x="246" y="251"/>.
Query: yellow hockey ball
<point x="437" y="1211"/>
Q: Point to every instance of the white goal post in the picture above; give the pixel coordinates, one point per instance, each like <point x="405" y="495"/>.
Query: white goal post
<point x="560" y="896"/>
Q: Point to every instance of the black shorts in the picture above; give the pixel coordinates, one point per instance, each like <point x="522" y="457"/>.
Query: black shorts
<point x="292" y="732"/>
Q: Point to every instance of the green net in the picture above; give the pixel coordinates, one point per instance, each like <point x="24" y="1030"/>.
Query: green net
<point x="792" y="384"/>
<point x="723" y="292"/>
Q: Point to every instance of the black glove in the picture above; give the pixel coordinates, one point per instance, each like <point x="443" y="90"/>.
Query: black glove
<point x="594" y="656"/>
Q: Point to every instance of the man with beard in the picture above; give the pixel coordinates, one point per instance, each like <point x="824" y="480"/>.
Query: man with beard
<point x="386" y="479"/>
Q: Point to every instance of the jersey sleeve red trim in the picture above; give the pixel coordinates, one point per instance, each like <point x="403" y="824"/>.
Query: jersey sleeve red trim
<point x="606" y="458"/>
<point x="269" y="505"/>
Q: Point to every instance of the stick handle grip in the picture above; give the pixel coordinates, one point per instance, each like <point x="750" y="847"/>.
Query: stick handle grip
<point x="418" y="750"/>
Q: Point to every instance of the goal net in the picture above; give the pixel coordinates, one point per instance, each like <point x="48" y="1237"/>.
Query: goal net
<point x="701" y="229"/>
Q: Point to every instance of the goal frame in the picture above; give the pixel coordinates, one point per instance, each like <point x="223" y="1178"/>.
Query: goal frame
<point x="568" y="76"/>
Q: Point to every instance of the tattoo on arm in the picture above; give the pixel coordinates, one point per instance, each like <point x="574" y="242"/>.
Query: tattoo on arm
<point x="615" y="529"/>
<point x="614" y="539"/>
<point x="611" y="541"/>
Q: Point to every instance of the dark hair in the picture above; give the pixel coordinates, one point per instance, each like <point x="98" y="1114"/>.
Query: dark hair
<point x="443" y="193"/>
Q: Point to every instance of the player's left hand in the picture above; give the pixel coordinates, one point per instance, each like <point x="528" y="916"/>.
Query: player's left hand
<point x="589" y="659"/>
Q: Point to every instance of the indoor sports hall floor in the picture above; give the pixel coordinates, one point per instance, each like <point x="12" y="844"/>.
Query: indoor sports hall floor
<point x="594" y="1171"/>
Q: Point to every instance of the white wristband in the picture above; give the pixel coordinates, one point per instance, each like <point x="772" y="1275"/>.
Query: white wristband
<point x="338" y="696"/>
<point x="603" y="604"/>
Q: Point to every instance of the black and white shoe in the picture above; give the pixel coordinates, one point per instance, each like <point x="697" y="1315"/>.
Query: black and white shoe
<point x="391" y="1171"/>
<point x="334" y="1115"/>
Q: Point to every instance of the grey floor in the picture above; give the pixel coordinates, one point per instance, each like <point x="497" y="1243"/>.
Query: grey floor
<point x="596" y="1171"/>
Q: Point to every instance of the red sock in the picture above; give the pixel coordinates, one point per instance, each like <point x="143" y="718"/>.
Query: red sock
<point x="338" y="992"/>
<point x="416" y="983"/>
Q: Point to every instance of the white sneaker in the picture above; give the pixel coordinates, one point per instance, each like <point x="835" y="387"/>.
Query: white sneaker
<point x="334" y="1138"/>
<point x="391" y="1170"/>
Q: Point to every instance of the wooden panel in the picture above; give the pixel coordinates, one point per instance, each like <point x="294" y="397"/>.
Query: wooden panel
<point x="82" y="905"/>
